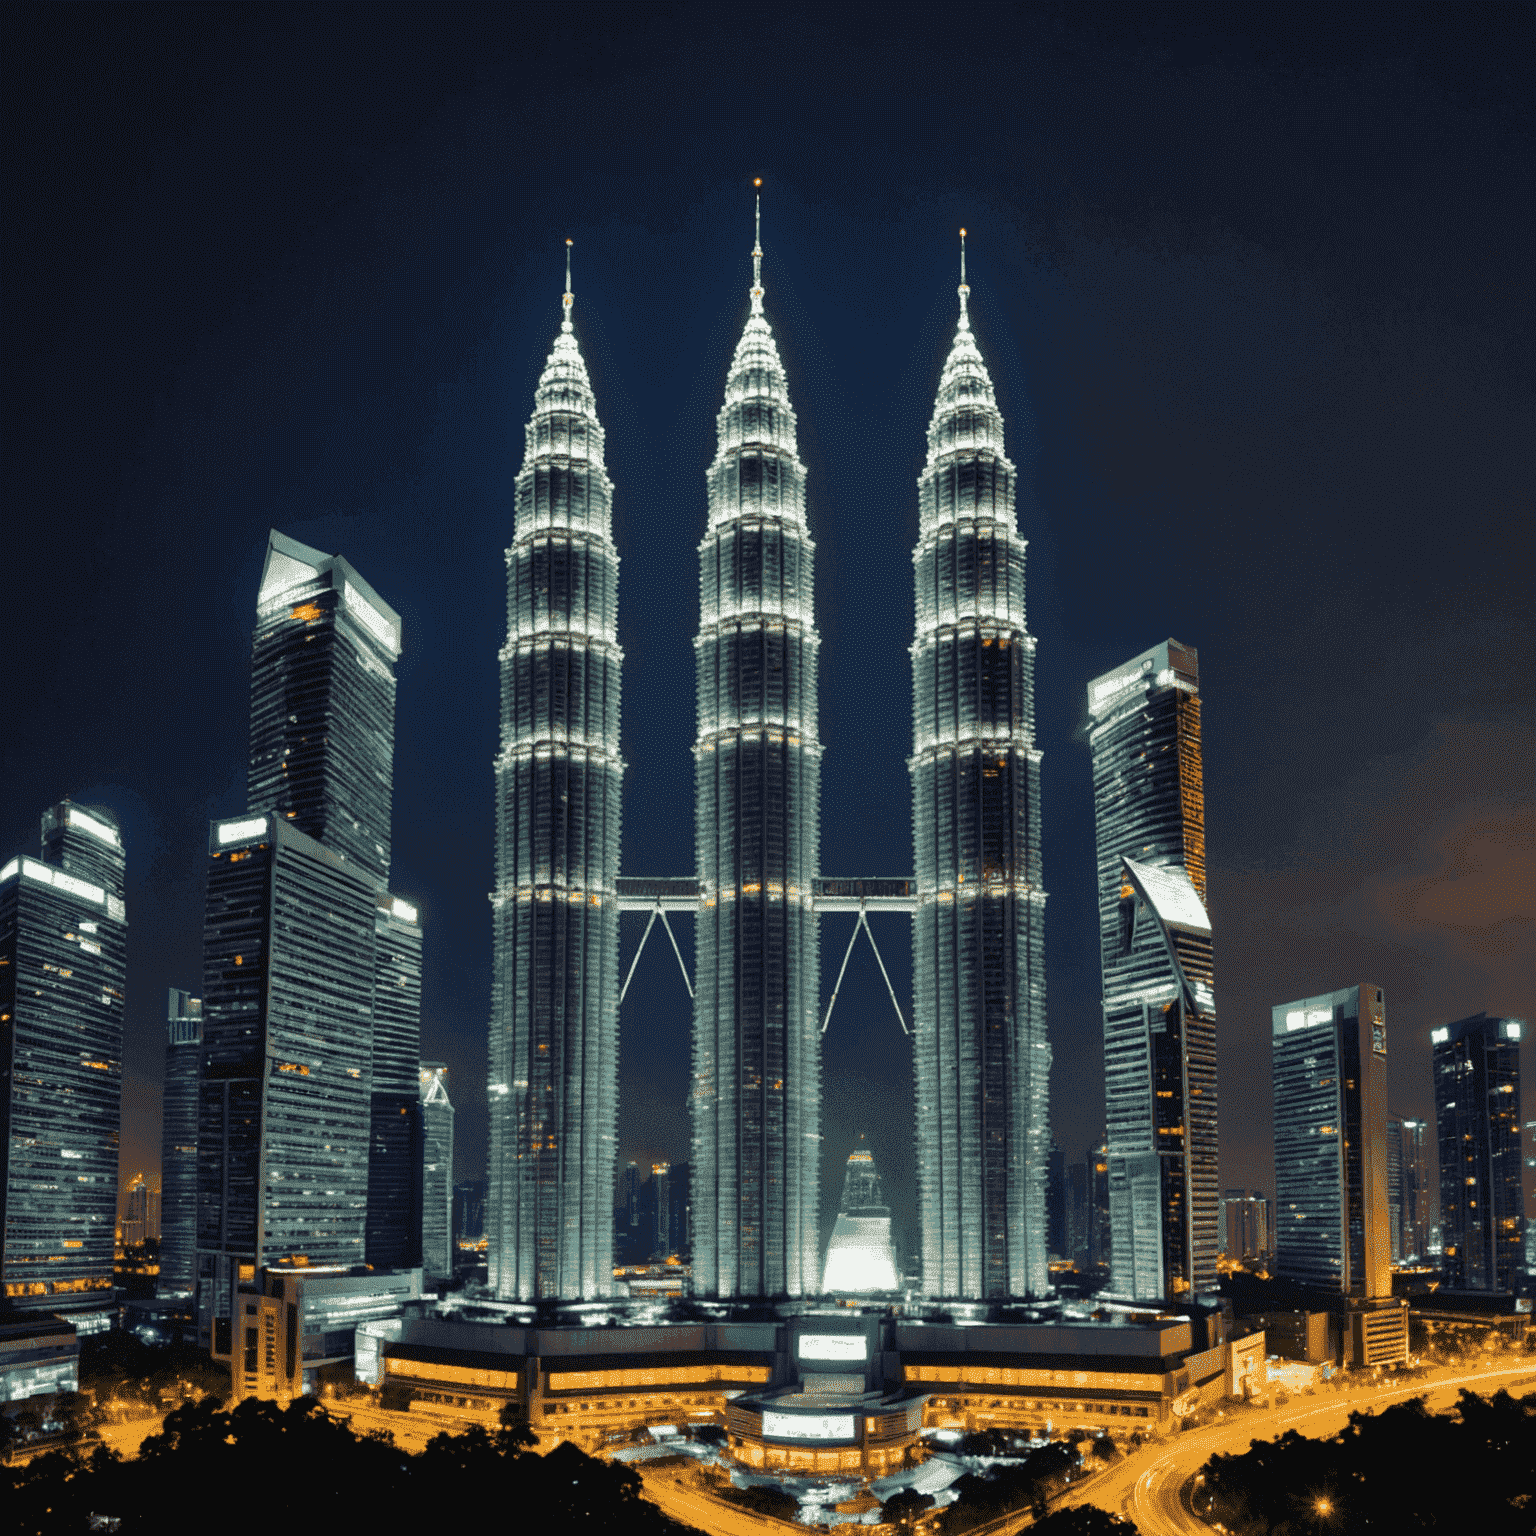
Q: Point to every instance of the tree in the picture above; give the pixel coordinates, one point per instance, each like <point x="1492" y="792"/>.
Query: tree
<point x="1083" y="1520"/>
<point x="904" y="1507"/>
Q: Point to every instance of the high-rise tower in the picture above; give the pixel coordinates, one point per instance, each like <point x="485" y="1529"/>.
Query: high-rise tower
<point x="756" y="1095"/>
<point x="1159" y="980"/>
<point x="311" y="966"/>
<point x="554" y="1033"/>
<point x="437" y="1172"/>
<point x="1477" y="1113"/>
<point x="978" y="936"/>
<point x="63" y="949"/>
<point x="178" y="1142"/>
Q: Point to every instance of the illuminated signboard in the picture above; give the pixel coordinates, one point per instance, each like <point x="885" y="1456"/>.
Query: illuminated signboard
<point x="1308" y="1018"/>
<point x="832" y="1346"/>
<point x="242" y="831"/>
<point x="807" y="1426"/>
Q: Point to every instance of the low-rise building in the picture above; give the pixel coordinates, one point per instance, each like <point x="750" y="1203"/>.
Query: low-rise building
<point x="39" y="1356"/>
<point x="295" y="1329"/>
<point x="852" y="1386"/>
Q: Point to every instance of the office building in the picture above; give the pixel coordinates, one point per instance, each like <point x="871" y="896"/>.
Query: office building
<point x="1530" y="1226"/>
<point x="1410" y="1191"/>
<point x="437" y="1172"/>
<point x="755" y="1100"/>
<point x="1099" y="1244"/>
<point x="178" y="1142"/>
<point x="981" y="1054"/>
<point x="135" y="1224"/>
<point x="284" y="1105"/>
<point x="311" y="979"/>
<point x="323" y="703"/>
<point x="1244" y="1224"/>
<point x="1331" y="1232"/>
<point x="554" y="1033"/>
<point x="1159" y="987"/>
<point x="680" y="1211"/>
<point x="1056" y="1203"/>
<point x="1330" y="1073"/>
<point x="1476" y="1062"/>
<point x="1077" y="1214"/>
<point x="63" y="962"/>
<point x="860" y="1257"/>
<point x="395" y="1141"/>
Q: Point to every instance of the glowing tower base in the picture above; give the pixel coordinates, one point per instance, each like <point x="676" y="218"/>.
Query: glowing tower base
<point x="860" y="1257"/>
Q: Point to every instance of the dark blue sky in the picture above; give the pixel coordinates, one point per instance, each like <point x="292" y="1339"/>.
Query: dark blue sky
<point x="1255" y="293"/>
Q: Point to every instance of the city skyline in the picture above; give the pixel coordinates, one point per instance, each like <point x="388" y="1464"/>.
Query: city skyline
<point x="389" y="437"/>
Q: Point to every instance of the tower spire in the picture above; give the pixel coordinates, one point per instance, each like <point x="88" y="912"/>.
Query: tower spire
<point x="569" y="298"/>
<point x="757" y="253"/>
<point x="965" y="288"/>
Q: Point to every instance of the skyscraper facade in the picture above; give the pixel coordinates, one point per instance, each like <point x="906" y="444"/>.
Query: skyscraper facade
<point x="981" y="1054"/>
<point x="63" y="965"/>
<point x="1417" y="1185"/>
<point x="1159" y="981"/>
<point x="305" y="949"/>
<point x="395" y="1150"/>
<point x="323" y="703"/>
<point x="437" y="1172"/>
<point x="178" y="1142"/>
<point x="1476" y="1062"/>
<point x="756" y="1092"/>
<point x="553" y="1083"/>
<point x="1332" y="1230"/>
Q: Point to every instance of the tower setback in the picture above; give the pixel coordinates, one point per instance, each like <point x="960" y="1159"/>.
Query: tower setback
<point x="978" y="940"/>
<point x="553" y="1084"/>
<point x="756" y="1092"/>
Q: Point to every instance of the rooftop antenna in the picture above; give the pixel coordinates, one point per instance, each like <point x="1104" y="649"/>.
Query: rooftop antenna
<point x="757" y="252"/>
<point x="569" y="298"/>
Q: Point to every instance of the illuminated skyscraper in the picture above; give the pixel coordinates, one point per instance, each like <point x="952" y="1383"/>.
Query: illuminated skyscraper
<point x="1476" y="1062"/>
<point x="860" y="1257"/>
<point x="756" y="1095"/>
<point x="306" y="951"/>
<point x="1417" y="1186"/>
<point x="981" y="1052"/>
<point x="437" y="1172"/>
<point x="395" y="1165"/>
<point x="63" y="949"/>
<point x="1159" y="985"/>
<point x="178" y="1142"/>
<point x="554" y="1037"/>
<point x="1332" y="1230"/>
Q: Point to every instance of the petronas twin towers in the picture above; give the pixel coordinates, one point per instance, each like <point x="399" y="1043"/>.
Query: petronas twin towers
<point x="981" y="1057"/>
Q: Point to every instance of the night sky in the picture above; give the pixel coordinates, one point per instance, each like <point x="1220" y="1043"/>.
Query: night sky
<point x="1257" y="305"/>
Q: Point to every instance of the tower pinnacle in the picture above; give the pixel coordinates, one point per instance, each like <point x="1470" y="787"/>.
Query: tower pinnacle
<point x="965" y="288"/>
<point x="757" y="253"/>
<point x="569" y="298"/>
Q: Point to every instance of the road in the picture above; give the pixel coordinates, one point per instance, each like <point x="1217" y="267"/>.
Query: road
<point x="664" y="1488"/>
<point x="1146" y="1486"/>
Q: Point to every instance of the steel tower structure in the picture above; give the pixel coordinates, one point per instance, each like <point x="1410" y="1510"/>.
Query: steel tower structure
<point x="982" y="1055"/>
<point x="553" y="1088"/>
<point x="756" y="1093"/>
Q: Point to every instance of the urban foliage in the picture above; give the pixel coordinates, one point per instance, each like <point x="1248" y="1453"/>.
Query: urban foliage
<point x="258" y="1467"/>
<point x="1025" y="1484"/>
<point x="1403" y="1469"/>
